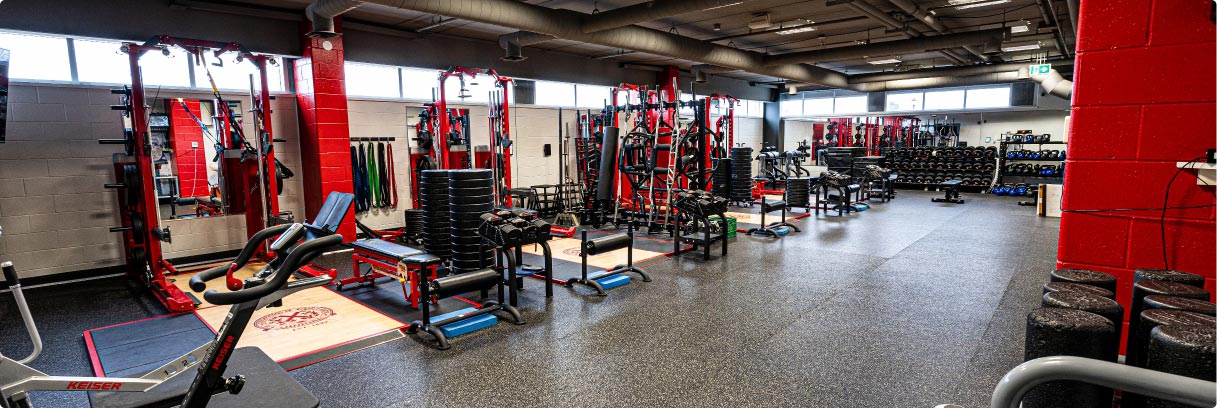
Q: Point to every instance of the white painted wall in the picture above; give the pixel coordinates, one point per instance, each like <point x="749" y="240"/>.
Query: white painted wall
<point x="974" y="127"/>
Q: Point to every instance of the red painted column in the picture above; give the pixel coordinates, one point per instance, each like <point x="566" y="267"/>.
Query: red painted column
<point x="1143" y="100"/>
<point x="186" y="140"/>
<point x="324" y="134"/>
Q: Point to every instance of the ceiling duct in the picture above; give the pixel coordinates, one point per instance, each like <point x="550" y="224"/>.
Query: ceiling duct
<point x="322" y="13"/>
<point x="929" y="20"/>
<point x="891" y="23"/>
<point x="1052" y="82"/>
<point x="514" y="43"/>
<point x="991" y="37"/>
<point x="566" y="24"/>
<point x="938" y="82"/>
<point x="649" y="11"/>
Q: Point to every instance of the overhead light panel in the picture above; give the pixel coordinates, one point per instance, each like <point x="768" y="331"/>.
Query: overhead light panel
<point x="1021" y="47"/>
<point x="883" y="61"/>
<point x="796" y="30"/>
<point x="759" y="21"/>
<point x="980" y="4"/>
<point x="1020" y="28"/>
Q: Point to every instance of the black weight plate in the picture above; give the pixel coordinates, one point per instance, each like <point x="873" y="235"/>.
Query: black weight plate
<point x="464" y="174"/>
<point x="470" y="191"/>
<point x="462" y="200"/>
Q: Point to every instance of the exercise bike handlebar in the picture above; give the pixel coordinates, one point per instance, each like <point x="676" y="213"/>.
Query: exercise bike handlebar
<point x="197" y="281"/>
<point x="297" y="257"/>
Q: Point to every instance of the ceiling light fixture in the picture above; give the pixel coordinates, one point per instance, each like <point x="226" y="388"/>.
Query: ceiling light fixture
<point x="1024" y="47"/>
<point x="984" y="4"/>
<point x="796" y="30"/>
<point x="884" y="61"/>
<point x="1019" y="28"/>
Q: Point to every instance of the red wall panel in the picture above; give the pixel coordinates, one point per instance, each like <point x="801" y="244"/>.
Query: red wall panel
<point x="1143" y="100"/>
<point x="184" y="135"/>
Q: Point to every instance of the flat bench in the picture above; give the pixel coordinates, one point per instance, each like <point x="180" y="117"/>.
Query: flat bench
<point x="385" y="260"/>
<point x="951" y="190"/>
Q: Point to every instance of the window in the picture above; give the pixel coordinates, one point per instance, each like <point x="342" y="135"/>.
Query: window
<point x="942" y="100"/>
<point x="850" y="104"/>
<point x="790" y="107"/>
<point x="981" y="98"/>
<point x="107" y="64"/>
<point x="376" y="81"/>
<point x="167" y="70"/>
<point x="235" y="75"/>
<point x="478" y="89"/>
<point x="37" y="57"/>
<point x="686" y="97"/>
<point x="418" y="83"/>
<point x="907" y="101"/>
<point x="817" y="106"/>
<point x="751" y="108"/>
<point x="555" y="93"/>
<point x="591" y="96"/>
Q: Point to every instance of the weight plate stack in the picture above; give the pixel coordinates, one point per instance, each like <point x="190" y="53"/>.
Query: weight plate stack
<point x="721" y="184"/>
<point x="415" y="219"/>
<point x="741" y="174"/>
<point x="798" y="192"/>
<point x="437" y="224"/>
<point x="470" y="194"/>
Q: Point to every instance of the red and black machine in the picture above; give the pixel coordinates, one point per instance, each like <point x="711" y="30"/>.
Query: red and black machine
<point x="442" y="138"/>
<point x="249" y="165"/>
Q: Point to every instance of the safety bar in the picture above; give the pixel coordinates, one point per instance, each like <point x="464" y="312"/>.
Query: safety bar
<point x="1185" y="390"/>
<point x="14" y="285"/>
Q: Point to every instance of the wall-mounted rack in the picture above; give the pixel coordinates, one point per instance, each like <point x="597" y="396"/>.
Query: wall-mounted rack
<point x="373" y="139"/>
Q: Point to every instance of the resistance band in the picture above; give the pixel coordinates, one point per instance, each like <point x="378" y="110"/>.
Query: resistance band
<point x="372" y="176"/>
<point x="392" y="177"/>
<point x="357" y="180"/>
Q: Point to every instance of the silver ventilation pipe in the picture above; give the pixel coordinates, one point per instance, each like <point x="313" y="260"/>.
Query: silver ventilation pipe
<point x="891" y="48"/>
<point x="929" y="20"/>
<point x="937" y="82"/>
<point x="1052" y="82"/>
<point x="649" y="11"/>
<point x="322" y="13"/>
<point x="514" y="43"/>
<point x="891" y="23"/>
<point x="566" y="24"/>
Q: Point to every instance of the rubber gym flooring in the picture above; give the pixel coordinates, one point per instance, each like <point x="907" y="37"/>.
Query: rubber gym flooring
<point x="908" y="304"/>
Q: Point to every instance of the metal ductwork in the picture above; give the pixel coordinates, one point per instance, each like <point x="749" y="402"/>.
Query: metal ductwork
<point x="649" y="11"/>
<point x="944" y="72"/>
<point x="1052" y="82"/>
<point x="322" y="12"/>
<point x="514" y="43"/>
<point x="566" y="24"/>
<point x="929" y="20"/>
<point x="937" y="82"/>
<point x="992" y="37"/>
<point x="891" y="23"/>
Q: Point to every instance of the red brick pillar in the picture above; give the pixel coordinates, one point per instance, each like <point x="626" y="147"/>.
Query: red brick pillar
<point x="1143" y="100"/>
<point x="324" y="135"/>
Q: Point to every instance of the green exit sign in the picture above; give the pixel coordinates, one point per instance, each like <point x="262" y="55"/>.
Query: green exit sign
<point x="1041" y="69"/>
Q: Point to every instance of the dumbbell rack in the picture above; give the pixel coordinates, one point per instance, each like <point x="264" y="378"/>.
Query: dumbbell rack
<point x="928" y="167"/>
<point x="1003" y="176"/>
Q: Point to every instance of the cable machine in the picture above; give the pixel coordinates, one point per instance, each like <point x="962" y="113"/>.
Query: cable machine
<point x="252" y="163"/>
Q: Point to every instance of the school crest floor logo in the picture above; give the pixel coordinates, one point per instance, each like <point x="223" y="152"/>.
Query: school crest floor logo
<point x="294" y="318"/>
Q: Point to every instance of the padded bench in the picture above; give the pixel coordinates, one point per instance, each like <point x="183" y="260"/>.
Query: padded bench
<point x="951" y="189"/>
<point x="385" y="260"/>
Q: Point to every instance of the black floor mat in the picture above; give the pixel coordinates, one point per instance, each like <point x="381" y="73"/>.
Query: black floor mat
<point x="132" y="349"/>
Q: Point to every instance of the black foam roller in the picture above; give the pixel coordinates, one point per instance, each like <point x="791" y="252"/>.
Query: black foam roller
<point x="1180" y="303"/>
<point x="608" y="164"/>
<point x="1068" y="332"/>
<point x="606" y="244"/>
<point x="1140" y="290"/>
<point x="1168" y="275"/>
<point x="1087" y="302"/>
<point x="1185" y="350"/>
<point x="466" y="282"/>
<point x="1083" y="276"/>
<point x="1078" y="287"/>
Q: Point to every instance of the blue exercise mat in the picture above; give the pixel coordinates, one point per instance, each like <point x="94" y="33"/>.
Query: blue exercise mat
<point x="133" y="349"/>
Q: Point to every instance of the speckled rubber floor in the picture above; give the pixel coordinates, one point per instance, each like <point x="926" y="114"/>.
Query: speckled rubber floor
<point x="909" y="304"/>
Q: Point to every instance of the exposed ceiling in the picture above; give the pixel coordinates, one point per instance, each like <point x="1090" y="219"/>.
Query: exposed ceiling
<point x="836" y="24"/>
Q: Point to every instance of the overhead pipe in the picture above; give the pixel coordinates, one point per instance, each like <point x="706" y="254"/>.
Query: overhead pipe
<point x="929" y="20"/>
<point x="649" y="11"/>
<point x="938" y="82"/>
<point x="944" y="72"/>
<point x="514" y="43"/>
<point x="891" y="23"/>
<point x="1052" y="82"/>
<point x="565" y="24"/>
<point x="891" y="48"/>
<point x="322" y="13"/>
<point x="1073" y="15"/>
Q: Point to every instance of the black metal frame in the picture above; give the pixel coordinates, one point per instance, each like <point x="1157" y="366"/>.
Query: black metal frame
<point x="616" y="270"/>
<point x="428" y="266"/>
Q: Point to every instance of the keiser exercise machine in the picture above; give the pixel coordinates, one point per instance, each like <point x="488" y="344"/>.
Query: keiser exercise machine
<point x="442" y="139"/>
<point x="167" y="385"/>
<point x="138" y="204"/>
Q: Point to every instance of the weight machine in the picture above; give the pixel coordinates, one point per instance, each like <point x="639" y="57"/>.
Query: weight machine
<point x="442" y="135"/>
<point x="247" y="165"/>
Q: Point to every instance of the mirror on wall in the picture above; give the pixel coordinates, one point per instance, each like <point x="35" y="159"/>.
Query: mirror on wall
<point x="3" y="92"/>
<point x="196" y="162"/>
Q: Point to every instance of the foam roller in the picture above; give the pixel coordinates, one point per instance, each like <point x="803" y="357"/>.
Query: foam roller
<point x="1086" y="302"/>
<point x="607" y="244"/>
<point x="465" y="282"/>
<point x="1182" y="350"/>
<point x="1078" y="287"/>
<point x="1086" y="277"/>
<point x="1068" y="332"/>
<point x="1145" y="288"/>
<point x="1147" y="274"/>
<point x="1180" y="303"/>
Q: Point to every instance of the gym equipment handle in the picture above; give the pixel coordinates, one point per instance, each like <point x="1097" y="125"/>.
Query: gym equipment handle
<point x="114" y="185"/>
<point x="295" y="259"/>
<point x="10" y="274"/>
<point x="197" y="282"/>
<point x="112" y="141"/>
<point x="1015" y="384"/>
